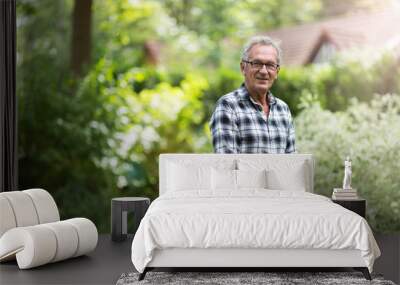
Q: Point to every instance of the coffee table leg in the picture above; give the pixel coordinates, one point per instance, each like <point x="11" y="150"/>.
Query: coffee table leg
<point x="124" y="225"/>
<point x="116" y="221"/>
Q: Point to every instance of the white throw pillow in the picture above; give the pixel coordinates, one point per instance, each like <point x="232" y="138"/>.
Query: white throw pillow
<point x="251" y="178"/>
<point x="294" y="179"/>
<point x="223" y="179"/>
<point x="281" y="174"/>
<point x="183" y="178"/>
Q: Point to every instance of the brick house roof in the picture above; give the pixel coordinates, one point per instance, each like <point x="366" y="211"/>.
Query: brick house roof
<point x="301" y="44"/>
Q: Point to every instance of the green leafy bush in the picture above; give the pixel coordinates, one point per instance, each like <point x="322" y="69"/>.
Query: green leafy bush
<point x="221" y="81"/>
<point x="163" y="119"/>
<point x="370" y="134"/>
<point x="62" y="140"/>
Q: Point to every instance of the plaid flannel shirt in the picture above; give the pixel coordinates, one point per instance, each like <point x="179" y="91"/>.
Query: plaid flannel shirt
<point x="239" y="125"/>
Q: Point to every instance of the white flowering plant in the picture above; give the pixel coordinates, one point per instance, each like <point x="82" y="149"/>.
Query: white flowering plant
<point x="370" y="134"/>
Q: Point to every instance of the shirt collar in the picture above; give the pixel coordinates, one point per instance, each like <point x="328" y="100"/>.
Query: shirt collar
<point x="245" y="95"/>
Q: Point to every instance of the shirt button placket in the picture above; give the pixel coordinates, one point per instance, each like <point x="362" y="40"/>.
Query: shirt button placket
<point x="268" y="136"/>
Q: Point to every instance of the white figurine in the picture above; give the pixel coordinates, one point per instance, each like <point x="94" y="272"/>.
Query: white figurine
<point x="347" y="174"/>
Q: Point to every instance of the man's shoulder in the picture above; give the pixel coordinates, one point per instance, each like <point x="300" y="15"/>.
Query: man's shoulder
<point x="280" y="104"/>
<point x="231" y="99"/>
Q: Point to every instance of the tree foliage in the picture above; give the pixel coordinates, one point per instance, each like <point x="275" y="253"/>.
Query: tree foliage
<point x="219" y="24"/>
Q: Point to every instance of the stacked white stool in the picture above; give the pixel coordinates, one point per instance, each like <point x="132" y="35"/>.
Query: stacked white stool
<point x="31" y="230"/>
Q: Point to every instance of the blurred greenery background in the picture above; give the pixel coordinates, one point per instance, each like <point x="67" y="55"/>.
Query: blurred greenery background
<point x="104" y="89"/>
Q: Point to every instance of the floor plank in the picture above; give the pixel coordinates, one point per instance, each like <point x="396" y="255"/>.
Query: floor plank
<point x="103" y="266"/>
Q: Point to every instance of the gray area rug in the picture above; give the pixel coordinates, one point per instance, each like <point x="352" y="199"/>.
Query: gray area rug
<point x="273" y="278"/>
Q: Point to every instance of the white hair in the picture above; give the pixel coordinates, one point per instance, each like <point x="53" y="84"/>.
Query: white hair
<point x="261" y="40"/>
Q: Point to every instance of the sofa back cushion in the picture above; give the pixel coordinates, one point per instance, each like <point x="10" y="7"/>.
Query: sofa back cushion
<point x="26" y="208"/>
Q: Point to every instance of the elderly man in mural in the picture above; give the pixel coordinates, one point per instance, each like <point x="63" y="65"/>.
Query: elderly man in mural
<point x="250" y="119"/>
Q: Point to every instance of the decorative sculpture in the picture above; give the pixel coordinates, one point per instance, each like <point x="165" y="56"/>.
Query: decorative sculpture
<point x="347" y="174"/>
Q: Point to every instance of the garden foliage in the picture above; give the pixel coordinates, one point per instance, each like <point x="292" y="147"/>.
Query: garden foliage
<point x="370" y="134"/>
<point x="89" y="139"/>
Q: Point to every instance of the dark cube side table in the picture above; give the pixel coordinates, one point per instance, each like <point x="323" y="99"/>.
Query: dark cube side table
<point x="358" y="206"/>
<point x="119" y="215"/>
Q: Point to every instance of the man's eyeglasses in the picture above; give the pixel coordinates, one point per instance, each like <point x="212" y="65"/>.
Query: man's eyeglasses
<point x="270" y="66"/>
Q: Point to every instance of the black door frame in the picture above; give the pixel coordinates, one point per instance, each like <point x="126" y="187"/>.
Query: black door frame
<point x="8" y="100"/>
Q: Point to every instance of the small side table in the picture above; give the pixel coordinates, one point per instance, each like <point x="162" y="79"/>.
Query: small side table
<point x="358" y="206"/>
<point x="119" y="214"/>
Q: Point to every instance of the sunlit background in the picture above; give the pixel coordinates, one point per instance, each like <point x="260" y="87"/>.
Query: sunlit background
<point x="105" y="86"/>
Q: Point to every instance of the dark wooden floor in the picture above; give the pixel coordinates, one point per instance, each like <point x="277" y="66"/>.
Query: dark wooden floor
<point x="110" y="260"/>
<point x="103" y="266"/>
<point x="389" y="262"/>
